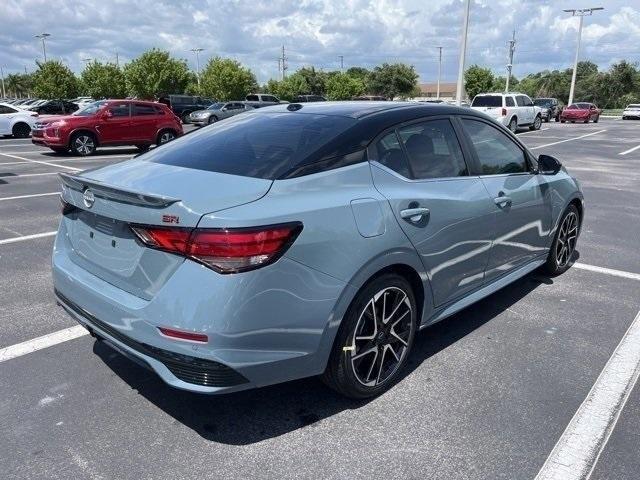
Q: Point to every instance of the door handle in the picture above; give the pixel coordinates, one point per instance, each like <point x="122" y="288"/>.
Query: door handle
<point x="502" y="200"/>
<point x="414" y="215"/>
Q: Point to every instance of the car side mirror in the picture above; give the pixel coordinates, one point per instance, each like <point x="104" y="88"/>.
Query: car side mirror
<point x="223" y="109"/>
<point x="108" y="114"/>
<point x="548" y="165"/>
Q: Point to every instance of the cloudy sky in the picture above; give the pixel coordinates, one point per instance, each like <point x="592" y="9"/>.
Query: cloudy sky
<point x="316" y="32"/>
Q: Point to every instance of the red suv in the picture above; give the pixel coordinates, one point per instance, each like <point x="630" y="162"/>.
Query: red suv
<point x="108" y="123"/>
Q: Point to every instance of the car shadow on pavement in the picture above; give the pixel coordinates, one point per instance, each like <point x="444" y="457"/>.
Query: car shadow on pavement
<point x="252" y="416"/>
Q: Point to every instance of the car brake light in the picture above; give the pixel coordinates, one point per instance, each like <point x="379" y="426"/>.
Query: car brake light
<point x="182" y="335"/>
<point x="226" y="250"/>
<point x="504" y="112"/>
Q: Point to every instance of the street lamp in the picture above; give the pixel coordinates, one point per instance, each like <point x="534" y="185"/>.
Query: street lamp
<point x="42" y="36"/>
<point x="197" y="52"/>
<point x="581" y="12"/>
<point x="463" y="53"/>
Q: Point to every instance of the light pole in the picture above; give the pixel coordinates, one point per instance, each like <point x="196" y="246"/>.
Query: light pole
<point x="439" y="70"/>
<point x="581" y="12"/>
<point x="2" y="76"/>
<point x="512" y="47"/>
<point x="341" y="57"/>
<point x="42" y="36"/>
<point x="463" y="53"/>
<point x="197" y="52"/>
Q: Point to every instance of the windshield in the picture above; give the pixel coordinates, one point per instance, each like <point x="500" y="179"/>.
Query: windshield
<point x="215" y="106"/>
<point x="578" y="106"/>
<point x="542" y="102"/>
<point x="90" y="109"/>
<point x="634" y="105"/>
<point x="260" y="145"/>
<point x="487" y="101"/>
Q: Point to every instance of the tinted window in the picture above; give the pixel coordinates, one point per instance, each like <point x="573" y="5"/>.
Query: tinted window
<point x="5" y="109"/>
<point x="509" y="101"/>
<point x="543" y="102"/>
<point x="141" y="109"/>
<point x="433" y="150"/>
<point x="497" y="153"/>
<point x="520" y="101"/>
<point x="269" y="98"/>
<point x="262" y="145"/>
<point x="253" y="98"/>
<point x="90" y="109"/>
<point x="119" y="109"/>
<point x="487" y="101"/>
<point x="389" y="153"/>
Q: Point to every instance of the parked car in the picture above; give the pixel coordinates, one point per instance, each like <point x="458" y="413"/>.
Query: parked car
<point x="109" y="123"/>
<point x="82" y="101"/>
<point x="184" y="105"/>
<point x="15" y="121"/>
<point x="218" y="111"/>
<point x="551" y="108"/>
<point x="55" y="107"/>
<point x="370" y="98"/>
<point x="307" y="240"/>
<point x="258" y="100"/>
<point x="632" y="111"/>
<point x="309" y="98"/>
<point x="513" y="110"/>
<point x="580" y="112"/>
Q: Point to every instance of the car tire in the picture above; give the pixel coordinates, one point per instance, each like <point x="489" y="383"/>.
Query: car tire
<point x="557" y="118"/>
<point x="537" y="123"/>
<point x="595" y="120"/>
<point x="21" y="130"/>
<point x="185" y="117"/>
<point x="165" y="136"/>
<point x="83" y="144"/>
<point x="513" y="125"/>
<point x="362" y="367"/>
<point x="143" y="148"/>
<point x="212" y="119"/>
<point x="560" y="256"/>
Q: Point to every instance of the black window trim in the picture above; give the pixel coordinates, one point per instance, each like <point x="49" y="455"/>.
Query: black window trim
<point x="477" y="170"/>
<point x="465" y="156"/>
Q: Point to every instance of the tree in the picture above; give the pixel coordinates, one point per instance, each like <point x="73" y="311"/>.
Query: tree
<point x="289" y="88"/>
<point x="500" y="83"/>
<point x="54" y="80"/>
<point x="478" y="80"/>
<point x="343" y="86"/>
<point x="358" y="72"/>
<point x="155" y="73"/>
<point x="226" y="79"/>
<point x="103" y="80"/>
<point x="19" y="84"/>
<point x="316" y="80"/>
<point x="392" y="80"/>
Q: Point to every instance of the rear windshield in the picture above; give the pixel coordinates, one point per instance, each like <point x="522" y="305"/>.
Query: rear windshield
<point x="633" y="105"/>
<point x="260" y="145"/>
<point x="487" y="101"/>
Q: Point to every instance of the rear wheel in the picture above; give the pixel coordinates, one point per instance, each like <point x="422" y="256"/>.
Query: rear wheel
<point x="83" y="144"/>
<point x="374" y="340"/>
<point x="564" y="243"/>
<point x="165" y="136"/>
<point x="513" y="125"/>
<point x="21" y="130"/>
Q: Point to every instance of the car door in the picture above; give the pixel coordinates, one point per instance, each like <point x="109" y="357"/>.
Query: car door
<point x="524" y="112"/>
<point x="521" y="203"/>
<point x="144" y="118"/>
<point x="6" y="114"/>
<point x="445" y="212"/>
<point x="114" y="124"/>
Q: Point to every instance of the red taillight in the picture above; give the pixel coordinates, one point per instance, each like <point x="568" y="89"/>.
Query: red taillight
<point x="182" y="335"/>
<point x="504" y="112"/>
<point x="228" y="250"/>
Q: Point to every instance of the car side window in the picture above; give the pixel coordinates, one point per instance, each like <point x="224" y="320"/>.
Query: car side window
<point x="509" y="102"/>
<point x="388" y="152"/>
<point x="433" y="149"/>
<point x="520" y="101"/>
<point x="253" y="98"/>
<point x="141" y="109"/>
<point x="5" y="109"/>
<point x="528" y="102"/>
<point x="119" y="109"/>
<point x="496" y="152"/>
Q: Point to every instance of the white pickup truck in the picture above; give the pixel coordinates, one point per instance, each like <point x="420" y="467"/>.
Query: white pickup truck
<point x="513" y="110"/>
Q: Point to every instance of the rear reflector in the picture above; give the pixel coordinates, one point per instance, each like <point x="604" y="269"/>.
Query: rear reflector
<point x="228" y="250"/>
<point x="182" y="335"/>
<point x="504" y="112"/>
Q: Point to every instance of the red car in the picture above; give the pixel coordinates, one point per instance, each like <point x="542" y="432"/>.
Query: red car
<point x="580" y="112"/>
<point x="108" y="123"/>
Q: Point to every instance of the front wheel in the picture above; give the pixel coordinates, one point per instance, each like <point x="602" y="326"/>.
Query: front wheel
<point x="212" y="119"/>
<point x="537" y="123"/>
<point x="595" y="120"/>
<point x="83" y="144"/>
<point x="564" y="243"/>
<point x="374" y="340"/>
<point x="21" y="130"/>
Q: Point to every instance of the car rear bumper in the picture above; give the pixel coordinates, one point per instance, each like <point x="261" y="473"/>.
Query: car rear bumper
<point x="266" y="326"/>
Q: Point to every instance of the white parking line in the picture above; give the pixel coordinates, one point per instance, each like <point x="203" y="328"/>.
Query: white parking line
<point x="567" y="140"/>
<point x="608" y="271"/>
<point x="75" y="159"/>
<point x="577" y="451"/>
<point x="630" y="150"/>
<point x="7" y="241"/>
<point x="39" y="343"/>
<point x="29" y="196"/>
<point x="39" y="161"/>
<point x="2" y="177"/>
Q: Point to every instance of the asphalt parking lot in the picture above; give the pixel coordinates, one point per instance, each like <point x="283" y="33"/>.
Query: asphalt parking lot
<point x="488" y="394"/>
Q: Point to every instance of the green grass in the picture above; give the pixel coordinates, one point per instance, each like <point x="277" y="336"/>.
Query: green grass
<point x="612" y="111"/>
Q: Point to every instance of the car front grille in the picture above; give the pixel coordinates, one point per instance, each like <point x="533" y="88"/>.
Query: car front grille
<point x="197" y="371"/>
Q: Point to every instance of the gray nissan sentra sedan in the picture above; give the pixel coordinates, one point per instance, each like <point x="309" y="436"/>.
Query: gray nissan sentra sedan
<point x="301" y="240"/>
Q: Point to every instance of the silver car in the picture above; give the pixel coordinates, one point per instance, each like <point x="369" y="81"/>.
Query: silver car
<point x="218" y="111"/>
